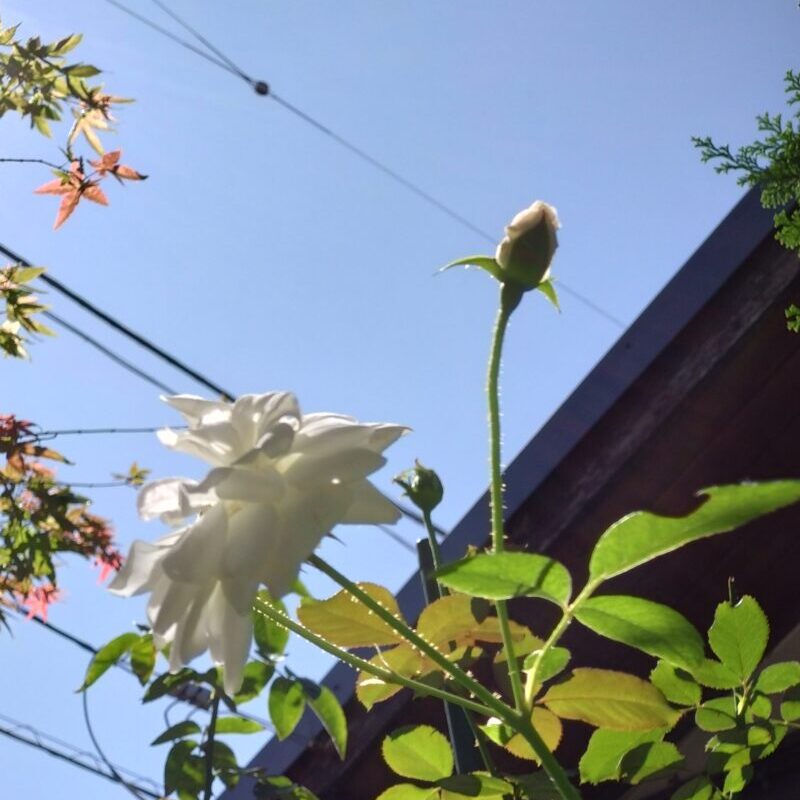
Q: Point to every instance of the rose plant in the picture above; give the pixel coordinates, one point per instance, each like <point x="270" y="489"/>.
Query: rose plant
<point x="280" y="480"/>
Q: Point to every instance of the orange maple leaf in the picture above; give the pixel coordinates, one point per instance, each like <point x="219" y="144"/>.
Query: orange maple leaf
<point x="109" y="164"/>
<point x="72" y="186"/>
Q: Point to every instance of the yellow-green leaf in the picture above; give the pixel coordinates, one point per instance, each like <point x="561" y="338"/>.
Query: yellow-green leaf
<point x="419" y="752"/>
<point x="609" y="699"/>
<point x="238" y="725"/>
<point x="346" y="622"/>
<point x="649" y="760"/>
<point x="642" y="536"/>
<point x="779" y="677"/>
<point x="546" y="724"/>
<point x="402" y="660"/>
<point x="409" y="791"/>
<point x="696" y="789"/>
<point x="501" y="576"/>
<point x="464" y="620"/>
<point x="656" y="629"/>
<point x="475" y="785"/>
<point x="739" y="636"/>
<point x="603" y="757"/>
<point x="675" y="684"/>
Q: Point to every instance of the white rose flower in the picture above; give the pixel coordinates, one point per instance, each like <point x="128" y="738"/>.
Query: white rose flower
<point x="279" y="481"/>
<point x="528" y="247"/>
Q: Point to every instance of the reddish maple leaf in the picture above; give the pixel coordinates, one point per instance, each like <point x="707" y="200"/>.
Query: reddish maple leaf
<point x="37" y="600"/>
<point x="73" y="186"/>
<point x="109" y="163"/>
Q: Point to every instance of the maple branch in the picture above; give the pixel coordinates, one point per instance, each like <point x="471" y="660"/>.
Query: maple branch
<point x="31" y="161"/>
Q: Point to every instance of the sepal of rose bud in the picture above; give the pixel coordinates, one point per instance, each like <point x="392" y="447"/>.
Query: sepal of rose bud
<point x="526" y="251"/>
<point x="422" y="487"/>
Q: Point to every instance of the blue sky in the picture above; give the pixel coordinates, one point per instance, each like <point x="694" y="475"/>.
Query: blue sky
<point x="265" y="255"/>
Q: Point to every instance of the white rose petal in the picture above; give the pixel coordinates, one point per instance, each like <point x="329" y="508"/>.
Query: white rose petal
<point x="279" y="481"/>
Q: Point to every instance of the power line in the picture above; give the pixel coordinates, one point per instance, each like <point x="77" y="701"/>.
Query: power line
<point x="131" y="788"/>
<point x="232" y="67"/>
<point x="43" y="435"/>
<point x="27" y="734"/>
<point x="262" y="88"/>
<point x="120" y="327"/>
<point x="108" y="353"/>
<point x="164" y="32"/>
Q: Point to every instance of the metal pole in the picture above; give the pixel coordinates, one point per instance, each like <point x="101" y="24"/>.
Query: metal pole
<point x="465" y="751"/>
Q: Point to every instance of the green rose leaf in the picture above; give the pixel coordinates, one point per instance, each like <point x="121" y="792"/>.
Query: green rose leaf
<point x="419" y="752"/>
<point x="107" y="656"/>
<point x="346" y="622"/>
<point x="736" y="780"/>
<point x="609" y="699"/>
<point x="238" y="725"/>
<point x="535" y="786"/>
<point x="168" y="682"/>
<point x="642" y="536"/>
<point x="603" y="756"/>
<point x="675" y="684"/>
<point x="287" y="700"/>
<point x="553" y="662"/>
<point x="651" y="627"/>
<point x="255" y="676"/>
<point x="182" y="770"/>
<point x="790" y="705"/>
<point x="476" y="784"/>
<point x="648" y="760"/>
<point x="225" y="763"/>
<point x="143" y="658"/>
<point x="715" y="675"/>
<point x="325" y="705"/>
<point x="179" y="731"/>
<point x="697" y="789"/>
<point x="738" y="636"/>
<point x="501" y="576"/>
<point x="777" y="678"/>
<point x="408" y="791"/>
<point x="279" y="787"/>
<point x="758" y="707"/>
<point x="715" y="715"/>
<point x="269" y="636"/>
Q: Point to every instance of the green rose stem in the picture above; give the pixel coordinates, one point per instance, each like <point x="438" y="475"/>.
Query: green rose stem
<point x="435" y="552"/>
<point x="554" y="638"/>
<point x="212" y="728"/>
<point x="412" y="637"/>
<point x="515" y="719"/>
<point x="271" y="612"/>
<point x="510" y="297"/>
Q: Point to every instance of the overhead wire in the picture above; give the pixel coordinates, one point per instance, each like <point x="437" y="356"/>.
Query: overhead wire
<point x="58" y="748"/>
<point x="118" y="326"/>
<point x="189" y="693"/>
<point x="262" y="88"/>
<point x="165" y="32"/>
<point x="108" y="353"/>
<point x="129" y="787"/>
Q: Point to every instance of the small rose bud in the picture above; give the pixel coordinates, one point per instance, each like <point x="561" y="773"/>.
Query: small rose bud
<point x="422" y="487"/>
<point x="528" y="247"/>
